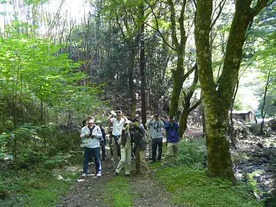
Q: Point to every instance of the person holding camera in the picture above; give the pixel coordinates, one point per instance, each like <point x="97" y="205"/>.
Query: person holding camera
<point x="172" y="132"/>
<point x="155" y="126"/>
<point x="91" y="135"/>
<point x="137" y="132"/>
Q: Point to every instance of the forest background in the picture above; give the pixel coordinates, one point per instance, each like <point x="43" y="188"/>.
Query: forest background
<point x="62" y="61"/>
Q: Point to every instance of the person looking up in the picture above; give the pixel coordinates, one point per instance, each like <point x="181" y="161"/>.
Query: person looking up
<point x="117" y="127"/>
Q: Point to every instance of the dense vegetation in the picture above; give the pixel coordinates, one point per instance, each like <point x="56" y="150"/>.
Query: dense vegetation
<point x="139" y="56"/>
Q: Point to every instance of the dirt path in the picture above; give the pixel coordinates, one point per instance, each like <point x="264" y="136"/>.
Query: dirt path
<point x="92" y="191"/>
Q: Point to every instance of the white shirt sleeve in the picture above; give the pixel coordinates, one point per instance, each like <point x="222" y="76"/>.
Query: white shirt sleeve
<point x="84" y="131"/>
<point x="97" y="132"/>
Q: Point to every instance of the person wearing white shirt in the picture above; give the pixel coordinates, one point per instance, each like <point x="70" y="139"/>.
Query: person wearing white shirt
<point x="91" y="135"/>
<point x="117" y="127"/>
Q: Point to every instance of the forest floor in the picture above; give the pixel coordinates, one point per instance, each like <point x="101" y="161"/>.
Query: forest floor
<point x="147" y="191"/>
<point x="94" y="191"/>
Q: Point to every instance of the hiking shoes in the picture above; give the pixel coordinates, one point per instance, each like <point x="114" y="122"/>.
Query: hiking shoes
<point x="99" y="174"/>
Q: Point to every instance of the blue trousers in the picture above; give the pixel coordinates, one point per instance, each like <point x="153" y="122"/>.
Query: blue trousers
<point x="95" y="153"/>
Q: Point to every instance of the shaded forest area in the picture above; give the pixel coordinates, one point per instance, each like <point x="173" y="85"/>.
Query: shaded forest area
<point x="61" y="62"/>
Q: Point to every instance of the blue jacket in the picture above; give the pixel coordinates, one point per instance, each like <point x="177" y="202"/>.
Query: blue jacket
<point x="172" y="131"/>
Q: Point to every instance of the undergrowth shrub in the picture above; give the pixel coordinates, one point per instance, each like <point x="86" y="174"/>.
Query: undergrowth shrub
<point x="192" y="153"/>
<point x="47" y="145"/>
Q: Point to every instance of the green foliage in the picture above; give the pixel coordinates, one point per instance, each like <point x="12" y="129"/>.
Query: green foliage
<point x="195" y="188"/>
<point x="33" y="188"/>
<point x="192" y="153"/>
<point x="262" y="44"/>
<point x="119" y="192"/>
<point x="4" y="142"/>
<point x="37" y="78"/>
<point x="35" y="2"/>
<point x="47" y="145"/>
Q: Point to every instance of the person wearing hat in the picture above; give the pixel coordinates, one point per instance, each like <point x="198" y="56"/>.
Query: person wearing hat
<point x="172" y="128"/>
<point x="125" y="144"/>
<point x="137" y="133"/>
<point x="155" y="126"/>
<point x="91" y="135"/>
<point x="117" y="124"/>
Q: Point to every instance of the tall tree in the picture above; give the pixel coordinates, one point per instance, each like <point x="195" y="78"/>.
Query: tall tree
<point x="143" y="62"/>
<point x="217" y="97"/>
<point x="181" y="15"/>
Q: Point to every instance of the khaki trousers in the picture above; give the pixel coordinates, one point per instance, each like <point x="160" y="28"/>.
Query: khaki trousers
<point x="125" y="160"/>
<point x="140" y="161"/>
<point x="172" y="150"/>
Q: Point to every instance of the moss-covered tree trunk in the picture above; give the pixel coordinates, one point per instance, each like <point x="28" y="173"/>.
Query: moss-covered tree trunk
<point x="217" y="98"/>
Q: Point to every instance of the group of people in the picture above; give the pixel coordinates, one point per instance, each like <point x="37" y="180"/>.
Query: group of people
<point x="127" y="139"/>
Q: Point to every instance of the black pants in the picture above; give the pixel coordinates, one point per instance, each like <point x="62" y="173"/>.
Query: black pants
<point x="103" y="149"/>
<point x="156" y="143"/>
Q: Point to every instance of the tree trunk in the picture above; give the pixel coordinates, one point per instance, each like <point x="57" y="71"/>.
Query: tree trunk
<point x="183" y="122"/>
<point x="263" y="112"/>
<point x="179" y="43"/>
<point x="184" y="116"/>
<point x="131" y="84"/>
<point x="143" y="67"/>
<point x="217" y="99"/>
<point x="231" y="130"/>
<point x="187" y="108"/>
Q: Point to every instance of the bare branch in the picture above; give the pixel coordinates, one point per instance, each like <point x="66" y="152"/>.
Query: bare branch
<point x="157" y="28"/>
<point x="260" y="5"/>
<point x="220" y="7"/>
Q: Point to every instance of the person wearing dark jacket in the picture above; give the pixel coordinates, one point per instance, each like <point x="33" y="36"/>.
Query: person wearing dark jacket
<point x="103" y="139"/>
<point x="172" y="128"/>
<point x="137" y="133"/>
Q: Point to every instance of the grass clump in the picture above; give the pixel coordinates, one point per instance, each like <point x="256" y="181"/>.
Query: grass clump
<point x="119" y="194"/>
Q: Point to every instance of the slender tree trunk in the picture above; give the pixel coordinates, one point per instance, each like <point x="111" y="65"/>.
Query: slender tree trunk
<point x="231" y="130"/>
<point x="143" y="66"/>
<point x="263" y="112"/>
<point x="131" y="84"/>
<point x="179" y="42"/>
<point x="184" y="116"/>
<point x="187" y="108"/>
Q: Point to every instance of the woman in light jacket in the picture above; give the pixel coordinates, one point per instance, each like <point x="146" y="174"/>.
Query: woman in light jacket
<point x="91" y="135"/>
